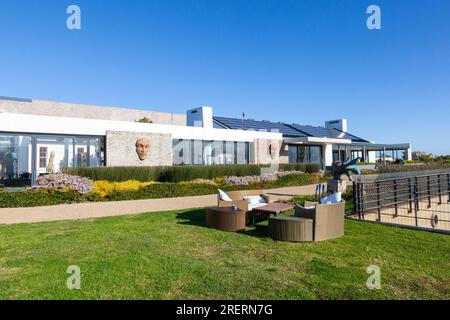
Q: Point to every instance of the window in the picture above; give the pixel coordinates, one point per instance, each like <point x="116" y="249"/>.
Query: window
<point x="241" y="154"/>
<point x="82" y="160"/>
<point x="43" y="157"/>
<point x="293" y="153"/>
<point x="335" y="156"/>
<point x="14" y="167"/>
<point x="305" y="154"/>
<point x="203" y="152"/>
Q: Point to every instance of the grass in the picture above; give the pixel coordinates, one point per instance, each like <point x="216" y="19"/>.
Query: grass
<point x="348" y="197"/>
<point x="172" y="255"/>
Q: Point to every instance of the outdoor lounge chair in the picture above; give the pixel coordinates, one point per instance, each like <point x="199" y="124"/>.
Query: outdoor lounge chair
<point x="328" y="219"/>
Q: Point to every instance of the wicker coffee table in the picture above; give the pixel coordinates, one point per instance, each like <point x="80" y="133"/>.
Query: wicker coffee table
<point x="225" y="219"/>
<point x="291" y="229"/>
<point x="263" y="213"/>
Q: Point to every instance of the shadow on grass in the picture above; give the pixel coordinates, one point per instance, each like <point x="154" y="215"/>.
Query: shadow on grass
<point x="196" y="217"/>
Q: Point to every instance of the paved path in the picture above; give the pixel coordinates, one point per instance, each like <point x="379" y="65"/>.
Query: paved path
<point x="90" y="210"/>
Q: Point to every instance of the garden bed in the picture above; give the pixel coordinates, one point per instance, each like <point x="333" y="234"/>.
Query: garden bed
<point x="54" y="193"/>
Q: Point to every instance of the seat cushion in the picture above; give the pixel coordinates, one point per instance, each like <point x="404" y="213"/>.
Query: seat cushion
<point x="223" y="196"/>
<point x="255" y="200"/>
<point x="334" y="198"/>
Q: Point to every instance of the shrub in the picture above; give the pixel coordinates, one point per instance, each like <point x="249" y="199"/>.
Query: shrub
<point x="249" y="180"/>
<point x="303" y="167"/>
<point x="419" y="167"/>
<point x="164" y="190"/>
<point x="64" y="182"/>
<point x="165" y="173"/>
<point x="103" y="187"/>
<point x="201" y="181"/>
<point x="38" y="198"/>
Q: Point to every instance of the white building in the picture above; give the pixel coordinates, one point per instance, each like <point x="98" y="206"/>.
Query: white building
<point x="37" y="137"/>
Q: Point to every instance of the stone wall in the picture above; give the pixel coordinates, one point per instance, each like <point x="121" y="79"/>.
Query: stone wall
<point x="121" y="149"/>
<point x="72" y="110"/>
<point x="261" y="151"/>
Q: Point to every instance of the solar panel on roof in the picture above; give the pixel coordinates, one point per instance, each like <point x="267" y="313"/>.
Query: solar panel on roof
<point x="288" y="130"/>
<point x="326" y="132"/>
<point x="248" y="124"/>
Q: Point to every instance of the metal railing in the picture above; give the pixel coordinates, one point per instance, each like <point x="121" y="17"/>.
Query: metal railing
<point x="421" y="201"/>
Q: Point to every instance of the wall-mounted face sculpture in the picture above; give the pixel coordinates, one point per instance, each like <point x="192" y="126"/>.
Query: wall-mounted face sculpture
<point x="272" y="151"/>
<point x="142" y="148"/>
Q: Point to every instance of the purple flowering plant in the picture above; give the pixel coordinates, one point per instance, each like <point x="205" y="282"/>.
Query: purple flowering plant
<point x="248" y="180"/>
<point x="64" y="182"/>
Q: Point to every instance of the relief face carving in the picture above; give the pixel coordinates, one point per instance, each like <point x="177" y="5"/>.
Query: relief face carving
<point x="142" y="148"/>
<point x="272" y="151"/>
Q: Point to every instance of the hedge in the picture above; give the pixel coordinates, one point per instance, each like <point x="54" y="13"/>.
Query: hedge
<point x="419" y="167"/>
<point x="304" y="167"/>
<point x="165" y="173"/>
<point x="153" y="191"/>
<point x="37" y="198"/>
<point x="181" y="173"/>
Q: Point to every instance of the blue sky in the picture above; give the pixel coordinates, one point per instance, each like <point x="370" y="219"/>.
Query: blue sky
<point x="303" y="61"/>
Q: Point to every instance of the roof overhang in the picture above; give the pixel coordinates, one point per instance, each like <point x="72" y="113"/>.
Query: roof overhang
<point x="380" y="147"/>
<point x="316" y="140"/>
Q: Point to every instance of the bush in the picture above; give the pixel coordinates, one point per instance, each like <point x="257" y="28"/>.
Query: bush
<point x="103" y="187"/>
<point x="38" y="198"/>
<point x="165" y="173"/>
<point x="304" y="167"/>
<point x="64" y="182"/>
<point x="419" y="167"/>
<point x="263" y="178"/>
<point x="164" y="190"/>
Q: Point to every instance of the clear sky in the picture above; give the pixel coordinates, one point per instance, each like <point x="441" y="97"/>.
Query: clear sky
<point x="303" y="61"/>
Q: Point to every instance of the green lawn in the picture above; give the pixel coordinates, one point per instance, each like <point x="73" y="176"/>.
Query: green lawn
<point x="171" y="255"/>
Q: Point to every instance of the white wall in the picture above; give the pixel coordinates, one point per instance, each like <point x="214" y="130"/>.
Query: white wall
<point x="371" y="156"/>
<point x="328" y="154"/>
<point x="75" y="126"/>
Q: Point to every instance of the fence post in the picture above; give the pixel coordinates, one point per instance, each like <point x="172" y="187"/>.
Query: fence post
<point x="395" y="198"/>
<point x="355" y="199"/>
<point x="416" y="199"/>
<point x="358" y="197"/>
<point x="448" y="183"/>
<point x="429" y="191"/>
<point x="439" y="189"/>
<point x="378" y="202"/>
<point x="410" y="195"/>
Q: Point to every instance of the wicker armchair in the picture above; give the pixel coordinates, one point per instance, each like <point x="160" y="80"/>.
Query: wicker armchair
<point x="328" y="219"/>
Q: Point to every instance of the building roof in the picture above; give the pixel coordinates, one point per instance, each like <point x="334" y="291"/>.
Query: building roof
<point x="249" y="124"/>
<point x="288" y="130"/>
